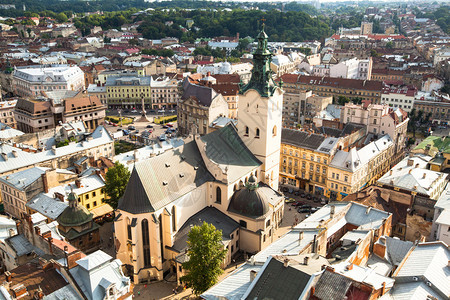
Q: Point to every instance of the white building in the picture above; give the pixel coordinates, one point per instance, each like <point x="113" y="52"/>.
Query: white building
<point x="440" y="55"/>
<point x="31" y="81"/>
<point x="399" y="96"/>
<point x="244" y="70"/>
<point x="352" y="69"/>
<point x="441" y="220"/>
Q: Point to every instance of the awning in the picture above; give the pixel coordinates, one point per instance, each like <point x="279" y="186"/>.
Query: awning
<point x="101" y="210"/>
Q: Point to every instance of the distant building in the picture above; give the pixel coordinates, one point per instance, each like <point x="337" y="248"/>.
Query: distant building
<point x="7" y="113"/>
<point x="199" y="106"/>
<point x="366" y="28"/>
<point x="401" y="96"/>
<point x="127" y="91"/>
<point x="31" y="81"/>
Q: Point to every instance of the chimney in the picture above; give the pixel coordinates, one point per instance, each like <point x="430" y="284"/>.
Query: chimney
<point x="45" y="182"/>
<point x="286" y="263"/>
<point x="37" y="230"/>
<point x="314" y="244"/>
<point x="72" y="258"/>
<point x="424" y="175"/>
<point x="14" y="153"/>
<point x="368" y="209"/>
<point x="5" y="156"/>
<point x="78" y="183"/>
<point x="50" y="243"/>
<point x="253" y="274"/>
<point x="410" y="170"/>
<point x="300" y="236"/>
<point x="390" y="172"/>
<point x="305" y="260"/>
<point x="349" y="267"/>
<point x="417" y="165"/>
<point x="8" y="276"/>
<point x="379" y="247"/>
<point x="410" y="162"/>
<point x="332" y="210"/>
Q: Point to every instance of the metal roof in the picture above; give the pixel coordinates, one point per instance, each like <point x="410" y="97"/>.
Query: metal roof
<point x="158" y="181"/>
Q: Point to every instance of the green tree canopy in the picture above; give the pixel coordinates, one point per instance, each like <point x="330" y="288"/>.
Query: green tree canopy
<point x="61" y="17"/>
<point x="206" y="254"/>
<point x="116" y="182"/>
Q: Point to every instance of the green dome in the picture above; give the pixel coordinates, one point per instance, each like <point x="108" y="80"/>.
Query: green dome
<point x="74" y="216"/>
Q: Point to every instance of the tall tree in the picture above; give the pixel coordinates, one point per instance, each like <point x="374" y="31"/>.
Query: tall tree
<point x="116" y="182"/>
<point x="206" y="254"/>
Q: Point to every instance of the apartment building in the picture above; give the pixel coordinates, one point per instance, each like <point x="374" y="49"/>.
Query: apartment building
<point x="350" y="171"/>
<point x="401" y="96"/>
<point x="198" y="107"/>
<point x="127" y="91"/>
<point x="352" y="69"/>
<point x="334" y="87"/>
<point x="164" y="93"/>
<point x="34" y="115"/>
<point x="31" y="81"/>
<point x="301" y="107"/>
<point x="20" y="187"/>
<point x="7" y="113"/>
<point x="305" y="158"/>
<point x="380" y="120"/>
<point x="436" y="105"/>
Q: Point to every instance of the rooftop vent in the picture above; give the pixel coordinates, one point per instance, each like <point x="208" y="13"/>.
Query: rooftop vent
<point x="181" y="175"/>
<point x="167" y="165"/>
<point x="195" y="168"/>
<point x="165" y="183"/>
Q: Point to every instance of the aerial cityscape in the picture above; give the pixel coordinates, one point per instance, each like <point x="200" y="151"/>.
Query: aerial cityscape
<point x="224" y="150"/>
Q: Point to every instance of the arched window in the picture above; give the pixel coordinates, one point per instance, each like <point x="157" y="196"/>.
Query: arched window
<point x="174" y="219"/>
<point x="246" y="130"/>
<point x="257" y="133"/>
<point x="274" y="130"/>
<point x="218" y="195"/>
<point x="145" y="242"/>
<point x="129" y="235"/>
<point x="241" y="184"/>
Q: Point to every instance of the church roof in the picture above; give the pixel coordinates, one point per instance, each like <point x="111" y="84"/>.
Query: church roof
<point x="225" y="148"/>
<point x="158" y="181"/>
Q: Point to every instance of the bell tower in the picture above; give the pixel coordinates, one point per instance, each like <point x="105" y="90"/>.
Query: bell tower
<point x="259" y="114"/>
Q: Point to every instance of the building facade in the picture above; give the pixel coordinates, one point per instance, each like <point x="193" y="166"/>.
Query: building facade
<point x="127" y="91"/>
<point x="7" y="113"/>
<point x="31" y="81"/>
<point x="334" y="87"/>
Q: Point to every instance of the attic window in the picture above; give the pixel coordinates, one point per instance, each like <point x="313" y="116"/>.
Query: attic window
<point x="167" y="165"/>
<point x="165" y="183"/>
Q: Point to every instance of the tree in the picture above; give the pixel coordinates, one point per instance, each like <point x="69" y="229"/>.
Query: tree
<point x="389" y="45"/>
<point x="61" y="17"/>
<point x="206" y="254"/>
<point x="116" y="182"/>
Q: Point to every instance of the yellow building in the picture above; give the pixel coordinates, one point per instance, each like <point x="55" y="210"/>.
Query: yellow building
<point x="437" y="147"/>
<point x="350" y="171"/>
<point x="90" y="191"/>
<point x="305" y="158"/>
<point x="127" y="91"/>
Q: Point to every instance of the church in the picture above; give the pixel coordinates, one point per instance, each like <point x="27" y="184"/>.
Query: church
<point x="228" y="178"/>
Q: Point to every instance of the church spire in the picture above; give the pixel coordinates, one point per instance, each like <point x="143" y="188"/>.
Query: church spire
<point x="261" y="79"/>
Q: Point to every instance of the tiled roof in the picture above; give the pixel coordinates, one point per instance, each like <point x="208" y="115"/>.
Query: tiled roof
<point x="301" y="138"/>
<point x="343" y="83"/>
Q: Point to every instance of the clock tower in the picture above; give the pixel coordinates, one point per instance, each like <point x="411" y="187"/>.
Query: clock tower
<point x="259" y="114"/>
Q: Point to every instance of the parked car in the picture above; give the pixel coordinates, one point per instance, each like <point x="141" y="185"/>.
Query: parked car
<point x="306" y="206"/>
<point x="134" y="111"/>
<point x="165" y="126"/>
<point x="131" y="128"/>
<point x="298" y="203"/>
<point x="289" y="200"/>
<point x="314" y="209"/>
<point x="303" y="195"/>
<point x="169" y="124"/>
<point x="172" y="110"/>
<point x="316" y="199"/>
<point x="119" y="129"/>
<point x="297" y="193"/>
<point x="125" y="132"/>
<point x="323" y="201"/>
<point x="162" y="137"/>
<point x="149" y="126"/>
<point x="309" y="197"/>
<point x="161" y="111"/>
<point x="303" y="210"/>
